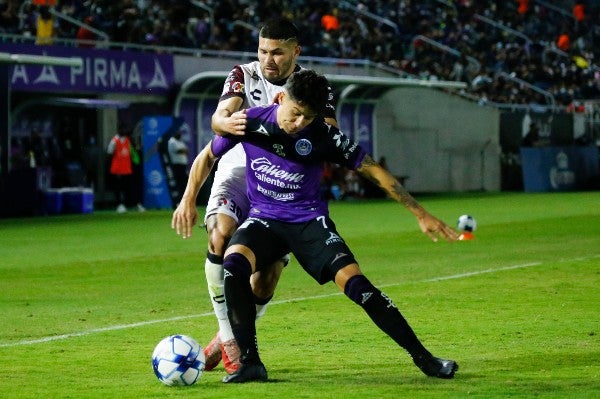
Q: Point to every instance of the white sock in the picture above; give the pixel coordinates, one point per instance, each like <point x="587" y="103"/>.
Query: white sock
<point x="260" y="310"/>
<point x="214" y="279"/>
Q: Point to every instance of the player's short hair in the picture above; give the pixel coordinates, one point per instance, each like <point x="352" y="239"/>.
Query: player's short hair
<point x="279" y="29"/>
<point x="308" y="88"/>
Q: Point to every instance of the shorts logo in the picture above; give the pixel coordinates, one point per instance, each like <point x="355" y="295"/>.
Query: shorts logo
<point x="303" y="147"/>
<point x="230" y="205"/>
<point x="251" y="220"/>
<point x="333" y="238"/>
<point x="339" y="256"/>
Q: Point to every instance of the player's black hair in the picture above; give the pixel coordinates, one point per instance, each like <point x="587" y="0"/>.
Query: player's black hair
<point x="279" y="29"/>
<point x="309" y="88"/>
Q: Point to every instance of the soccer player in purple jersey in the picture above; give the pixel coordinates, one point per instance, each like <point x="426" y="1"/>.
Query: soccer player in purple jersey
<point x="285" y="145"/>
<point x="247" y="85"/>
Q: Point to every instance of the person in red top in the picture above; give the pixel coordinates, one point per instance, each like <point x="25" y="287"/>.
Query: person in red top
<point x="330" y="22"/>
<point x="84" y="35"/>
<point x="579" y="16"/>
<point x="563" y="41"/>
<point x="523" y="7"/>
<point x="579" y="11"/>
<point x="121" y="169"/>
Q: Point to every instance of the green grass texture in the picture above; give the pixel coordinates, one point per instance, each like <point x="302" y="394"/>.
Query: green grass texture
<point x="85" y="298"/>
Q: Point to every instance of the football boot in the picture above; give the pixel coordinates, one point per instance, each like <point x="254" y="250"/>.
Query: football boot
<point x="212" y="352"/>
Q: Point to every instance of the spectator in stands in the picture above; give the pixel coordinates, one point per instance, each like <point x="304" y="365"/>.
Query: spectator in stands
<point x="84" y="35"/>
<point x="9" y="18"/>
<point x="579" y="12"/>
<point x="454" y="24"/>
<point x="523" y="7"/>
<point x="45" y="26"/>
<point x="564" y="41"/>
<point x="329" y="21"/>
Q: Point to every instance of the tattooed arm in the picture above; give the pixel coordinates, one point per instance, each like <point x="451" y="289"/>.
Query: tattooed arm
<point x="428" y="223"/>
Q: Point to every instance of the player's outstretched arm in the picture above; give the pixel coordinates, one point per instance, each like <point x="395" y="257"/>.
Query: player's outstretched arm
<point x="185" y="216"/>
<point x="428" y="223"/>
<point x="228" y="119"/>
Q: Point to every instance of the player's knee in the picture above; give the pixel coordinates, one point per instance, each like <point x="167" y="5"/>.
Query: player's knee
<point x="219" y="234"/>
<point x="217" y="241"/>
<point x="226" y="230"/>
<point x="237" y="265"/>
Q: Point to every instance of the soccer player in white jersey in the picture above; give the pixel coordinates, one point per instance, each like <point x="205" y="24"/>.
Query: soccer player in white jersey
<point x="248" y="85"/>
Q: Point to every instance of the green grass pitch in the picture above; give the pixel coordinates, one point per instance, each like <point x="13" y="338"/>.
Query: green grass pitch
<point x="85" y="298"/>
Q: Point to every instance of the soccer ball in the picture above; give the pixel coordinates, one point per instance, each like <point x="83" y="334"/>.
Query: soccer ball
<point x="178" y="360"/>
<point x="467" y="223"/>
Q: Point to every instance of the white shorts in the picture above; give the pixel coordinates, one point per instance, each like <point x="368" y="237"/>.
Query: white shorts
<point x="228" y="196"/>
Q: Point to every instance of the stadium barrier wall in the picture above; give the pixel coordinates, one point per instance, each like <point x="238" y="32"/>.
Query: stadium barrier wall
<point x="440" y="141"/>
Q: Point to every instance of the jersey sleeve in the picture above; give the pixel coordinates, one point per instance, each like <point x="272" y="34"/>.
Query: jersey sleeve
<point x="330" y="106"/>
<point x="344" y="151"/>
<point x="234" y="84"/>
<point x="221" y="144"/>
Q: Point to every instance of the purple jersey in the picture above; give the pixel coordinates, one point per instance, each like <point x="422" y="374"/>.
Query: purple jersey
<point x="283" y="172"/>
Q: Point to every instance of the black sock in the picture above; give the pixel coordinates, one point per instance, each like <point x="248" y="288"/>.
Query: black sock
<point x="386" y="315"/>
<point x="240" y="305"/>
<point x="214" y="258"/>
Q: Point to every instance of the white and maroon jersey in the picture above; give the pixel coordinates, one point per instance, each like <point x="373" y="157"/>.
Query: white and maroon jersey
<point x="247" y="82"/>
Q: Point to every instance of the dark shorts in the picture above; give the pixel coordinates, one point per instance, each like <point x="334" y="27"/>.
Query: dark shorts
<point x="316" y="244"/>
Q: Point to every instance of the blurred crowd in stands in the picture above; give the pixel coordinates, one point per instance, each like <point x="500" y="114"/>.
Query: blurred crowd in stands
<point x="518" y="52"/>
<point x="530" y="53"/>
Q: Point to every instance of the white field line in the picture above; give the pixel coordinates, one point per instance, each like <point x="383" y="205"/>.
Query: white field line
<point x="171" y="319"/>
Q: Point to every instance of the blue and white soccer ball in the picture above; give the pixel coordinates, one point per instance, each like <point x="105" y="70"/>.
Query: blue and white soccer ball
<point x="467" y="223"/>
<point x="178" y="360"/>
